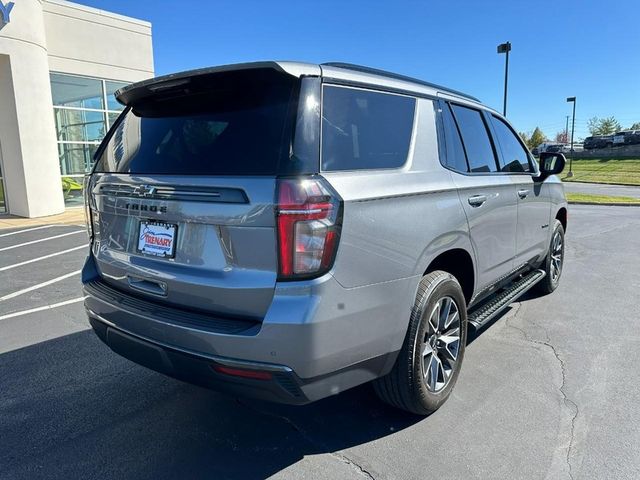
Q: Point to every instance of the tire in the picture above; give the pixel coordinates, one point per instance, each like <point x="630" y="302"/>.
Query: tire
<point x="411" y="385"/>
<point x="554" y="262"/>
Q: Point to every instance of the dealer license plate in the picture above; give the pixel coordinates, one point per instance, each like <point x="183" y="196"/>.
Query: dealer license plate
<point x="157" y="239"/>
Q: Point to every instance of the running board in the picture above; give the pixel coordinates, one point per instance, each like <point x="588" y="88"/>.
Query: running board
<point x="481" y="315"/>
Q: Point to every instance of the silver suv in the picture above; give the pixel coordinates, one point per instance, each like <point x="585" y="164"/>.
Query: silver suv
<point x="288" y="231"/>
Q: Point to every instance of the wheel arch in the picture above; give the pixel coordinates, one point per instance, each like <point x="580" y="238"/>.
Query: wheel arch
<point x="562" y="216"/>
<point x="459" y="263"/>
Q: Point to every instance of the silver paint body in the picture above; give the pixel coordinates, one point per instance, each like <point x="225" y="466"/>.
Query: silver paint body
<point x="395" y="223"/>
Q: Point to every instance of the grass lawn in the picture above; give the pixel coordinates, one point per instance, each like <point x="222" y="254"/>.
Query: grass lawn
<point x="587" y="198"/>
<point x="604" y="170"/>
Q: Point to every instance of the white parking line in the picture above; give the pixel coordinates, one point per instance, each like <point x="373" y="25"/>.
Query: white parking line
<point x="44" y="257"/>
<point x="39" y="285"/>
<point x="27" y="230"/>
<point x="40" y="309"/>
<point x="41" y="240"/>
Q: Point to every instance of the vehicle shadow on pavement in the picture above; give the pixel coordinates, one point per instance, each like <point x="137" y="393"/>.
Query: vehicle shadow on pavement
<point x="70" y="408"/>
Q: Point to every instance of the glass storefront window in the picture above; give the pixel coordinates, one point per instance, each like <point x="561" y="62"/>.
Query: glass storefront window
<point x="79" y="125"/>
<point x="72" y="191"/>
<point x="112" y="118"/>
<point x="80" y="92"/>
<point x="76" y="158"/>
<point x="112" y="103"/>
<point x="84" y="110"/>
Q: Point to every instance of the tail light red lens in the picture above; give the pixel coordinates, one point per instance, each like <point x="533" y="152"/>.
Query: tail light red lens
<point x="243" y="373"/>
<point x="308" y="215"/>
<point x="86" y="193"/>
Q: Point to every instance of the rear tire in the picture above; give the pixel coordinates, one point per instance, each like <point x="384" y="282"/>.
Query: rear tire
<point x="554" y="262"/>
<point x="429" y="362"/>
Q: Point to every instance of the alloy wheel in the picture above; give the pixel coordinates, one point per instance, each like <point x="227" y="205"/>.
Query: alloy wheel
<point x="556" y="256"/>
<point x="441" y="344"/>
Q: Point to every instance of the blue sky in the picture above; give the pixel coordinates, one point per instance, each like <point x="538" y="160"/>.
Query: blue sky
<point x="586" y="49"/>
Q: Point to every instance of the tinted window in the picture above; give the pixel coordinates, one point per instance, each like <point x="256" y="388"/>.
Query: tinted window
<point x="476" y="139"/>
<point x="235" y="127"/>
<point x="455" y="157"/>
<point x="514" y="157"/>
<point x="365" y="130"/>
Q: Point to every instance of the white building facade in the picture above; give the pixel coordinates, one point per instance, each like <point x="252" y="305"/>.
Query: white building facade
<point x="60" y="63"/>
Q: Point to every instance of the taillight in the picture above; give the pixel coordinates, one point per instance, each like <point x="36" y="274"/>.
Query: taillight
<point x="308" y="214"/>
<point x="86" y="193"/>
<point x="243" y="373"/>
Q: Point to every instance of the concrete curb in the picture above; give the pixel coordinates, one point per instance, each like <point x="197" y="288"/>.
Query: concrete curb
<point x="601" y="183"/>
<point x="72" y="216"/>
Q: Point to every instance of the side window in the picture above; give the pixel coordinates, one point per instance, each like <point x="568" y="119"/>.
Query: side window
<point x="456" y="159"/>
<point x="362" y="129"/>
<point x="514" y="157"/>
<point x="476" y="139"/>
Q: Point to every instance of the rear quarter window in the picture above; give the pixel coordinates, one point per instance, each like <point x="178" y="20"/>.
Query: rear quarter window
<point x="363" y="129"/>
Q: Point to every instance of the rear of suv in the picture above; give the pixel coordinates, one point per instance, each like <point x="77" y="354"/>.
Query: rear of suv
<point x="288" y="231"/>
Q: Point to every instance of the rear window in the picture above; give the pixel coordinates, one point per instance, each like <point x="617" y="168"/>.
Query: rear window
<point x="362" y="129"/>
<point x="233" y="124"/>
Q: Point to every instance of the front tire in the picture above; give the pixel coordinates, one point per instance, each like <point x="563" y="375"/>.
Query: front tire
<point x="429" y="362"/>
<point x="554" y="262"/>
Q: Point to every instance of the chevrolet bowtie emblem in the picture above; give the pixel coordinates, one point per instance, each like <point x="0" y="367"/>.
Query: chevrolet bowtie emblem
<point x="144" y="191"/>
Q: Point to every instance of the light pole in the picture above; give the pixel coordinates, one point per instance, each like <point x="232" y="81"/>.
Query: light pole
<point x="566" y="130"/>
<point x="505" y="48"/>
<point x="573" y="126"/>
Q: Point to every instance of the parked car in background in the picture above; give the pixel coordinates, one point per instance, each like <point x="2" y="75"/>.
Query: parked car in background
<point x="633" y="138"/>
<point x="598" y="141"/>
<point x="543" y="147"/>
<point x="554" y="148"/>
<point x="288" y="231"/>
<point x="626" y="137"/>
<point x="566" y="148"/>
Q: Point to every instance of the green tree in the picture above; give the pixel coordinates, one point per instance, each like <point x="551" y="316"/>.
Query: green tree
<point x="603" y="126"/>
<point x="635" y="126"/>
<point x="525" y="137"/>
<point x="536" y="138"/>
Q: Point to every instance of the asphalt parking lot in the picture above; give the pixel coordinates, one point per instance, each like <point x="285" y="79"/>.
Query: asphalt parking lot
<point x="549" y="390"/>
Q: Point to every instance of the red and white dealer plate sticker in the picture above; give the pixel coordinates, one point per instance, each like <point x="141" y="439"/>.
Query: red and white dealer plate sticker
<point x="157" y="239"/>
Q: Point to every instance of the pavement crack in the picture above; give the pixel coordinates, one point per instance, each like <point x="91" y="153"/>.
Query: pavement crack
<point x="304" y="434"/>
<point x="570" y="404"/>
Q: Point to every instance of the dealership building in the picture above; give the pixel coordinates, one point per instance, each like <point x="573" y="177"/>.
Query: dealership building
<point x="60" y="63"/>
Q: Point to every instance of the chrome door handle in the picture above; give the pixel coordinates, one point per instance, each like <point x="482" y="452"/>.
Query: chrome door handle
<point x="523" y="193"/>
<point x="477" y="200"/>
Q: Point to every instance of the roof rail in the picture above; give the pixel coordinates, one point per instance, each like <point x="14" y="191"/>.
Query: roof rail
<point x="397" y="76"/>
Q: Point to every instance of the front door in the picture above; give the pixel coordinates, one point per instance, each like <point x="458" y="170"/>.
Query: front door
<point x="532" y="197"/>
<point x="533" y="219"/>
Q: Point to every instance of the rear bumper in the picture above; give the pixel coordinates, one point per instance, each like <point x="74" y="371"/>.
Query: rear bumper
<point x="282" y="385"/>
<point x="317" y="338"/>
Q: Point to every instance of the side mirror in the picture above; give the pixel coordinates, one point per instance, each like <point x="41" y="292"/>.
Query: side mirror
<point x="551" y="163"/>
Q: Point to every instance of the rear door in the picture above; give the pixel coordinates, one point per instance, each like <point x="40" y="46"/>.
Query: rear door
<point x="533" y="197"/>
<point x="184" y="189"/>
<point x="487" y="196"/>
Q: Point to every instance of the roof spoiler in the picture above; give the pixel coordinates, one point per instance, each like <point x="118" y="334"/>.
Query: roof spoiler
<point x="139" y="91"/>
